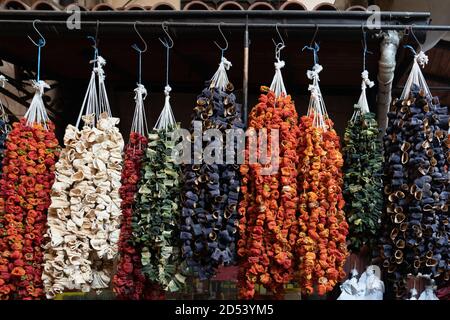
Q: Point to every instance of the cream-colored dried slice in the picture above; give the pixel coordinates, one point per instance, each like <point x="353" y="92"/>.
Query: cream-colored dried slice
<point x="77" y="176"/>
<point x="100" y="280"/>
<point x="59" y="202"/>
<point x="99" y="164"/>
<point x="75" y="200"/>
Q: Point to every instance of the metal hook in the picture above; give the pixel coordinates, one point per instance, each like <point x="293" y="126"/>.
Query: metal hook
<point x="135" y="46"/>
<point x="165" y="42"/>
<point x="41" y="42"/>
<point x="279" y="35"/>
<point x="224" y="38"/>
<point x="314" y="36"/>
<point x="414" y="36"/>
<point x="278" y="46"/>
<point x="364" y="44"/>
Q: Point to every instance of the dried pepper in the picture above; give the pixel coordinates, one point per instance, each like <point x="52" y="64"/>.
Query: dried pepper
<point x="321" y="245"/>
<point x="211" y="189"/>
<point x="129" y="283"/>
<point x="268" y="225"/>
<point x="363" y="184"/>
<point x="28" y="174"/>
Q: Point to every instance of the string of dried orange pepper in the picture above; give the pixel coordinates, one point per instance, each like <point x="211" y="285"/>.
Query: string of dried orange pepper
<point x="269" y="192"/>
<point x="321" y="244"/>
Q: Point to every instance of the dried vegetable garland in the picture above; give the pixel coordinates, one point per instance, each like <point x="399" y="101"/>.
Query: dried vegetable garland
<point x="268" y="223"/>
<point x="268" y="226"/>
<point x="321" y="243"/>
<point x="84" y="216"/>
<point x="415" y="233"/>
<point x="28" y="174"/>
<point x="211" y="190"/>
<point x="156" y="223"/>
<point x="363" y="184"/>
<point x="129" y="282"/>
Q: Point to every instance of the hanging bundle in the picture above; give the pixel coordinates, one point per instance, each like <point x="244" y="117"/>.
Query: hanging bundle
<point x="28" y="174"/>
<point x="156" y="220"/>
<point x="4" y="124"/>
<point x="415" y="222"/>
<point x="268" y="226"/>
<point x="129" y="281"/>
<point x="321" y="243"/>
<point x="211" y="187"/>
<point x="84" y="216"/>
<point x="363" y="184"/>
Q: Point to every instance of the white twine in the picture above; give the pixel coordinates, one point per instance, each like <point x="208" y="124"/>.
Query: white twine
<point x="36" y="113"/>
<point x="362" y="107"/>
<point x="166" y="119"/>
<point x="4" y="115"/>
<point x="416" y="77"/>
<point x="316" y="105"/>
<point x="95" y="101"/>
<point x="139" y="124"/>
<point x="277" y="85"/>
<point x="220" y="78"/>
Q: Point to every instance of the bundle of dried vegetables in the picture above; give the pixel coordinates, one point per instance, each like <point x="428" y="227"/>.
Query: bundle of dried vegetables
<point x="363" y="184"/>
<point x="84" y="215"/>
<point x="28" y="174"/>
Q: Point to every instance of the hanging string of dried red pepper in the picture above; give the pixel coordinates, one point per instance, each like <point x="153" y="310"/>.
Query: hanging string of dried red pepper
<point x="28" y="174"/>
<point x="129" y="282"/>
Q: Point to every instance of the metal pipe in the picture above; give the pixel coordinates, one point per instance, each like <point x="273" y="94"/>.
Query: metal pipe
<point x="225" y="13"/>
<point x="239" y="25"/>
<point x="386" y="68"/>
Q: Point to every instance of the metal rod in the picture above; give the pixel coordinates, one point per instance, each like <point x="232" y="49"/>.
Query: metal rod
<point x="245" y="76"/>
<point x="223" y="13"/>
<point x="241" y="25"/>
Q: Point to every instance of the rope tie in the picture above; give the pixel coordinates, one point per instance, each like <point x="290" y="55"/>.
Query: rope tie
<point x="220" y="78"/>
<point x="416" y="80"/>
<point x="277" y="85"/>
<point x="316" y="104"/>
<point x="96" y="99"/>
<point x="139" y="124"/>
<point x="4" y="115"/>
<point x="37" y="113"/>
<point x="166" y="119"/>
<point x="366" y="81"/>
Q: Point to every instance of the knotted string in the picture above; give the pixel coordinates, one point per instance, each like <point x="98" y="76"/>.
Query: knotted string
<point x="277" y="85"/>
<point x="139" y="124"/>
<point x="166" y="119"/>
<point x="220" y="78"/>
<point x="362" y="107"/>
<point x="37" y="113"/>
<point x="416" y="76"/>
<point x="95" y="101"/>
<point x="4" y="115"/>
<point x="316" y="105"/>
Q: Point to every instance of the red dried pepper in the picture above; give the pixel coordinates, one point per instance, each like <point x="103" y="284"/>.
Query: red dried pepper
<point x="28" y="174"/>
<point x="129" y="282"/>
